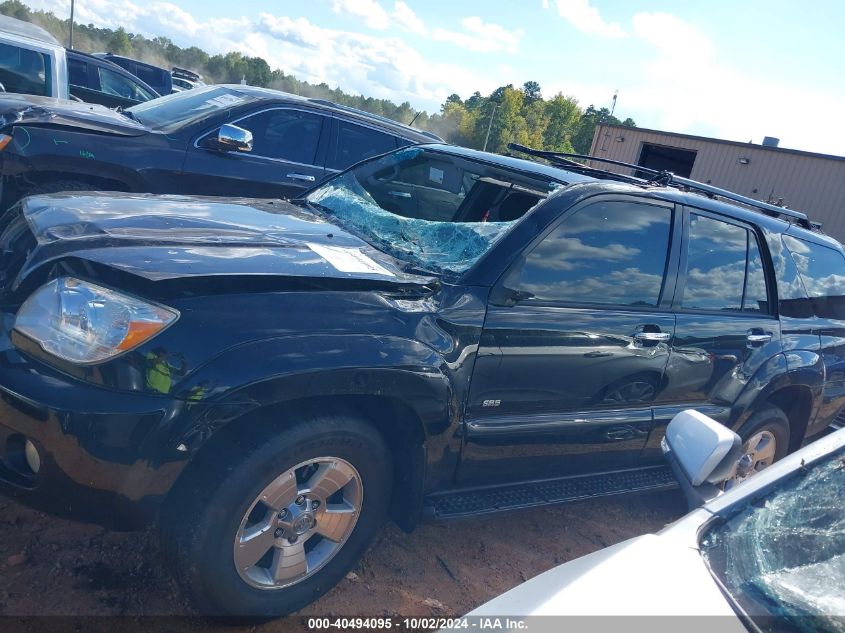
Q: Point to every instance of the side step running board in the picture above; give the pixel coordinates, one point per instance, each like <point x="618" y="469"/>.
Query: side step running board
<point x="467" y="502"/>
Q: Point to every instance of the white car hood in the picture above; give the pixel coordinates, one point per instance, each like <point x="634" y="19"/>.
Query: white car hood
<point x="654" y="575"/>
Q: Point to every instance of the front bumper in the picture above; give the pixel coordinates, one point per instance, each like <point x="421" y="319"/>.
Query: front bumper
<point x="106" y="457"/>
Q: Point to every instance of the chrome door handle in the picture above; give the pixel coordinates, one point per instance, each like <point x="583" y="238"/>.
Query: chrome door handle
<point x="399" y="194"/>
<point x="758" y="338"/>
<point x="303" y="177"/>
<point x="659" y="337"/>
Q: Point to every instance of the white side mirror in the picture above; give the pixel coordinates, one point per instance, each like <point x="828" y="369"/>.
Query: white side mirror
<point x="704" y="449"/>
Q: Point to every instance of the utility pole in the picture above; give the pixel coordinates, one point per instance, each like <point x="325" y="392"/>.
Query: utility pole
<point x="613" y="107"/>
<point x="70" y="43"/>
<point x="490" y="124"/>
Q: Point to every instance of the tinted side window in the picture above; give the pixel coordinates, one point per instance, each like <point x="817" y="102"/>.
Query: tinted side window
<point x="77" y="71"/>
<point x="151" y="76"/>
<point x="285" y="134"/>
<point x="355" y="143"/>
<point x="756" y="297"/>
<point x="822" y="270"/>
<point x="606" y="253"/>
<point x="715" y="274"/>
<point x="24" y="71"/>
<point x="792" y="297"/>
<point x="115" y="84"/>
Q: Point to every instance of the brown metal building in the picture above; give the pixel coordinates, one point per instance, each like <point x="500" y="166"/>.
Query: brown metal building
<point x="804" y="181"/>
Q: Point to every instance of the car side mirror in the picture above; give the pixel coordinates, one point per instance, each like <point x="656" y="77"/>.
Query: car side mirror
<point x="234" y="138"/>
<point x="702" y="453"/>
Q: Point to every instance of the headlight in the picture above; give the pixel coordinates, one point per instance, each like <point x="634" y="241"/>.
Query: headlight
<point x="85" y="323"/>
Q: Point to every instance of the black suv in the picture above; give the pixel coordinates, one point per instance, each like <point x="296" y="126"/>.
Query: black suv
<point x="158" y="78"/>
<point x="95" y="80"/>
<point x="434" y="331"/>
<point x="214" y="140"/>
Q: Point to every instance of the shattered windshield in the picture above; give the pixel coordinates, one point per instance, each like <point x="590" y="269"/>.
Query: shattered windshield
<point x="785" y="556"/>
<point x="435" y="210"/>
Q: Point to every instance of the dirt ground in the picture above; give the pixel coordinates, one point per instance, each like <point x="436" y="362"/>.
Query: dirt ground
<point x="50" y="566"/>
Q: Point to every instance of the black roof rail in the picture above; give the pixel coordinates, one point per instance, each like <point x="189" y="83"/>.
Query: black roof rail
<point x="378" y="117"/>
<point x="668" y="179"/>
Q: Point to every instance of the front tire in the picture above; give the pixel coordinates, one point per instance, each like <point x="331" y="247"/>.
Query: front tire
<point x="281" y="520"/>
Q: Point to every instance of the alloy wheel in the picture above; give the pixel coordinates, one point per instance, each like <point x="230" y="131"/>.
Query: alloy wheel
<point x="758" y="452"/>
<point x="298" y="523"/>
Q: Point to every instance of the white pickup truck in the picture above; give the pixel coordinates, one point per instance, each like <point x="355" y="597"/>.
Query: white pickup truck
<point x="33" y="62"/>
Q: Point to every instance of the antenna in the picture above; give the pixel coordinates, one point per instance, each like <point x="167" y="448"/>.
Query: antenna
<point x="613" y="107"/>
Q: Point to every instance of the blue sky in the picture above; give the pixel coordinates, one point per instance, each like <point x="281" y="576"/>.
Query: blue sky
<point x="736" y="70"/>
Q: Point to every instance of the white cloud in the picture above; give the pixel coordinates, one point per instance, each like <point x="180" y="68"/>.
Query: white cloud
<point x="685" y="88"/>
<point x="680" y="83"/>
<point x="671" y="34"/>
<point x="384" y="67"/>
<point x="375" y="16"/>
<point x="405" y="18"/>
<point x="481" y="37"/>
<point x="586" y="18"/>
<point x="370" y="11"/>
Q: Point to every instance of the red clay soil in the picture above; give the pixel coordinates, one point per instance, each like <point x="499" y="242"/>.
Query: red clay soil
<point x="50" y="566"/>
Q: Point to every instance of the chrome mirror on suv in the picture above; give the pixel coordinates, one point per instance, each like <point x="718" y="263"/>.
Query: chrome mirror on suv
<point x="232" y="137"/>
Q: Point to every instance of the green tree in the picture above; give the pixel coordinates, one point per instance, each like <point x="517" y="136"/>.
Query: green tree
<point x="511" y="114"/>
<point x="119" y="43"/>
<point x="532" y="92"/>
<point x="564" y="115"/>
<point x="16" y="9"/>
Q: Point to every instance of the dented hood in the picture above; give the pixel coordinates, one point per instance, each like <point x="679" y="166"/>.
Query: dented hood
<point x="169" y="237"/>
<point x="18" y="109"/>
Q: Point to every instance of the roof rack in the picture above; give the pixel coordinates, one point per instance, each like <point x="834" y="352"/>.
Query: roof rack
<point x="185" y="73"/>
<point x="668" y="179"/>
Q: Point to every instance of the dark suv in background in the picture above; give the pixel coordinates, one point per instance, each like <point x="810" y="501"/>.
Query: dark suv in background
<point x="212" y="140"/>
<point x="96" y="80"/>
<point x="434" y="331"/>
<point x="158" y="78"/>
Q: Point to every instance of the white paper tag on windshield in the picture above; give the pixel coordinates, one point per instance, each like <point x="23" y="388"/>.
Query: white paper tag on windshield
<point x="349" y="260"/>
<point x="225" y="100"/>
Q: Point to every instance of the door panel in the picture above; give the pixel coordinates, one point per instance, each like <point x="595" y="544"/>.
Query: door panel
<point x="723" y="332"/>
<point x="286" y="159"/>
<point x="558" y="391"/>
<point x="564" y="389"/>
<point x="710" y="364"/>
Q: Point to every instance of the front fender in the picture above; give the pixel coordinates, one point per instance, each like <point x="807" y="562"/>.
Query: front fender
<point x="273" y="371"/>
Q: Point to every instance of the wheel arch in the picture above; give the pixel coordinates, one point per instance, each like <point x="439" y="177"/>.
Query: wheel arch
<point x="396" y="421"/>
<point x="797" y="402"/>
<point x="99" y="182"/>
<point x="795" y="387"/>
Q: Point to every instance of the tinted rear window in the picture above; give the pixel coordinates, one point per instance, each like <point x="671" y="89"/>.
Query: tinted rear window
<point x="822" y="271"/>
<point x="152" y="76"/>
<point x="724" y="269"/>
<point x="355" y="143"/>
